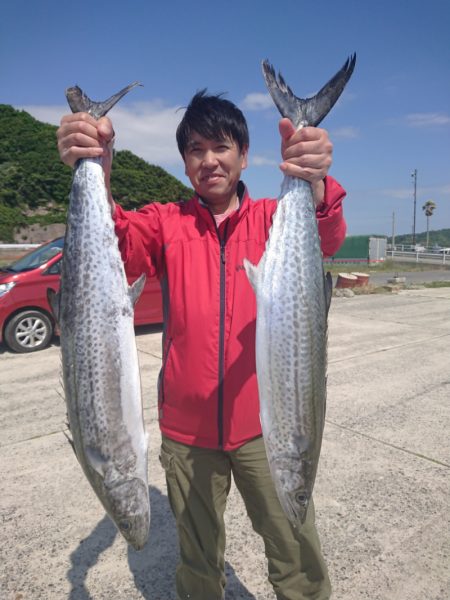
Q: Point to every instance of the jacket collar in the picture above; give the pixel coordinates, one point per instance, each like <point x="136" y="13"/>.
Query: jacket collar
<point x="242" y="193"/>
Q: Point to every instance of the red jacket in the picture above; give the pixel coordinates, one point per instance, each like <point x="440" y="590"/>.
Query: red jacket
<point x="208" y="393"/>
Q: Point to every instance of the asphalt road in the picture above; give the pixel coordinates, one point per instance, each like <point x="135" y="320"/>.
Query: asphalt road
<point x="382" y="493"/>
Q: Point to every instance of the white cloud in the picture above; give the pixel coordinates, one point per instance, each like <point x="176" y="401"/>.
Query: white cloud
<point x="445" y="189"/>
<point x="398" y="193"/>
<point x="427" y="119"/>
<point x="406" y="193"/>
<point x="262" y="161"/>
<point x="47" y="114"/>
<point x="146" y="128"/>
<point x="344" y="133"/>
<point x="257" y="101"/>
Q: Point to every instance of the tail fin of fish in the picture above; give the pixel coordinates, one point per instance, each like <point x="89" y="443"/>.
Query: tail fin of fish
<point x="79" y="102"/>
<point x="307" y="111"/>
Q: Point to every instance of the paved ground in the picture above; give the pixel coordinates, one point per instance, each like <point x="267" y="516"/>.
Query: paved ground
<point x="382" y="493"/>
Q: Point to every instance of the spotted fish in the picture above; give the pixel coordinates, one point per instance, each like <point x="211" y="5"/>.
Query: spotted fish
<point x="293" y="298"/>
<point x="95" y="310"/>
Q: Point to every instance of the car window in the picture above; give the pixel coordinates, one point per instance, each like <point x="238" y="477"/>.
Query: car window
<point x="37" y="257"/>
<point x="55" y="269"/>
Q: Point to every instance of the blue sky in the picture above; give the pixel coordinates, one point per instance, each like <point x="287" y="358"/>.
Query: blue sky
<point x="393" y="117"/>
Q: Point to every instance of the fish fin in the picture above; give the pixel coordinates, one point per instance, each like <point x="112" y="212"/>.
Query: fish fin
<point x="135" y="289"/>
<point x="59" y="393"/>
<point x="96" y="461"/>
<point x="54" y="302"/>
<point x="80" y="102"/>
<point x="252" y="273"/>
<point x="307" y="111"/>
<point x="70" y="440"/>
<point x="328" y="289"/>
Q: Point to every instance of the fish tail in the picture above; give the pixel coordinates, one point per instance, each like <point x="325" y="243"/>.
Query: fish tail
<point x="307" y="111"/>
<point x="80" y="102"/>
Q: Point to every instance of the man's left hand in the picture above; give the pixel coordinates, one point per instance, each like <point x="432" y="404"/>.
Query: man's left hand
<point x="307" y="154"/>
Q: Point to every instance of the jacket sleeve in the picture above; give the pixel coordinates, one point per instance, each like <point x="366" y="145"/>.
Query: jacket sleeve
<point x="330" y="218"/>
<point x="140" y="239"/>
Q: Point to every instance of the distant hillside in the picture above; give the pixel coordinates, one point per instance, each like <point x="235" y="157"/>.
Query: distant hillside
<point x="34" y="184"/>
<point x="440" y="237"/>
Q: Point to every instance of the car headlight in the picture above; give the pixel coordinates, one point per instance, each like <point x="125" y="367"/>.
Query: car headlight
<point x="6" y="287"/>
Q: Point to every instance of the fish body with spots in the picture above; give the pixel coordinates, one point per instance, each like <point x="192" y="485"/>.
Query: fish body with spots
<point x="293" y="298"/>
<point x="95" y="310"/>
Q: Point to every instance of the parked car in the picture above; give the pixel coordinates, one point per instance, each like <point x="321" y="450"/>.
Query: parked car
<point x="26" y="320"/>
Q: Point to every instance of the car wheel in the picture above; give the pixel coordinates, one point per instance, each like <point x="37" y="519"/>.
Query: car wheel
<point x="28" y="331"/>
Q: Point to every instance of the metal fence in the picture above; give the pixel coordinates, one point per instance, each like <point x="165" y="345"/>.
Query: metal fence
<point x="436" y="258"/>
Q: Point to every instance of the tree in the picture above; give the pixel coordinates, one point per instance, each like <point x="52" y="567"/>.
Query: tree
<point x="35" y="184"/>
<point x="428" y="209"/>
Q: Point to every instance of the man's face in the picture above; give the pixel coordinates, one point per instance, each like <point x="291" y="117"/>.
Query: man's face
<point x="214" y="168"/>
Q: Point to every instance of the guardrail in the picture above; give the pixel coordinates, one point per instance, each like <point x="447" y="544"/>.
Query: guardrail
<point x="423" y="257"/>
<point x="18" y="246"/>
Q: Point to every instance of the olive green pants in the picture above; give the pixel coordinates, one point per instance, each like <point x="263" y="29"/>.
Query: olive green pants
<point x="198" y="482"/>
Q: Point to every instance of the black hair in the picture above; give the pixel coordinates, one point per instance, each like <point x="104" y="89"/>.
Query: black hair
<point x="214" y="118"/>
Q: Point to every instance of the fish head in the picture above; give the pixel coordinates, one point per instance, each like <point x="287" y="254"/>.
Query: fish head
<point x="131" y="511"/>
<point x="299" y="502"/>
<point x="293" y="482"/>
<point x="135" y="529"/>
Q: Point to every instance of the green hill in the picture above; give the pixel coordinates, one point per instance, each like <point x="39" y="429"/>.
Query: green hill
<point x="439" y="237"/>
<point x="34" y="184"/>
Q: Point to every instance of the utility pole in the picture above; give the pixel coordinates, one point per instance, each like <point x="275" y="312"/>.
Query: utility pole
<point x="393" y="232"/>
<point x="414" y="176"/>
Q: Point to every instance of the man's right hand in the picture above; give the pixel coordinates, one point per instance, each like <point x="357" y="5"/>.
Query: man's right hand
<point x="81" y="136"/>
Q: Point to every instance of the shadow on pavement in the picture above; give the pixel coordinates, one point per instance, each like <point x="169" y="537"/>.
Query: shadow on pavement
<point x="87" y="555"/>
<point x="153" y="568"/>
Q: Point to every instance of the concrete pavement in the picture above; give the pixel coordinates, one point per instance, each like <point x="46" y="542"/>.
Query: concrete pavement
<point x="382" y="493"/>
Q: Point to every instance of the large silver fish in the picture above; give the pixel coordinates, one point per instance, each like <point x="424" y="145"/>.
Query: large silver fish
<point x="94" y="309"/>
<point x="293" y="297"/>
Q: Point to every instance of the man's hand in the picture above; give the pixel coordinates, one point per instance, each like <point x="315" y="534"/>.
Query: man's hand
<point x="307" y="154"/>
<point x="81" y="136"/>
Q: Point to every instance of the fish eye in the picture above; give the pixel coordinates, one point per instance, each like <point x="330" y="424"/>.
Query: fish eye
<point x="125" y="525"/>
<point x="301" y="498"/>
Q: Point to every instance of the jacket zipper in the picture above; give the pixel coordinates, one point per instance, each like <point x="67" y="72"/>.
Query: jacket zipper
<point x="221" y="373"/>
<point x="222" y="242"/>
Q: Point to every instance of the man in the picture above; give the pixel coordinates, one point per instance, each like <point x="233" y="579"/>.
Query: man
<point x="207" y="393"/>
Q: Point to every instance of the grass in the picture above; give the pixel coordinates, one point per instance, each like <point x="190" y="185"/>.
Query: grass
<point x="437" y="284"/>
<point x="388" y="266"/>
<point x="365" y="290"/>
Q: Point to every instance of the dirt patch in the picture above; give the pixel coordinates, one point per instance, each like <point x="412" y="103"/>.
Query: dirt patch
<point x="365" y="290"/>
